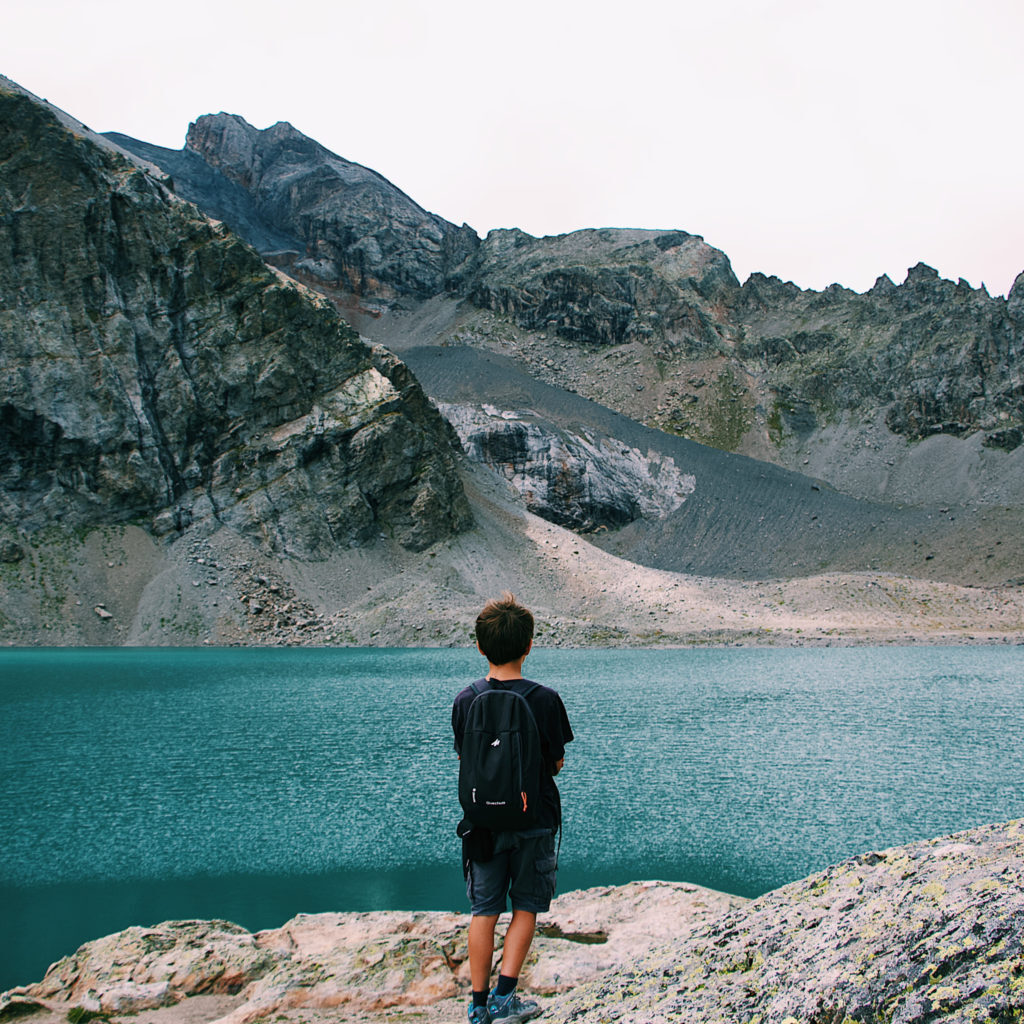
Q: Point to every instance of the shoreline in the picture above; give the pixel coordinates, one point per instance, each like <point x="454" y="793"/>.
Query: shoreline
<point x="122" y="587"/>
<point x="752" y="641"/>
<point x="931" y="925"/>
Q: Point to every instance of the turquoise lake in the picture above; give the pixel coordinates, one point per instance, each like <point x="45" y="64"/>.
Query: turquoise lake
<point x="140" y="785"/>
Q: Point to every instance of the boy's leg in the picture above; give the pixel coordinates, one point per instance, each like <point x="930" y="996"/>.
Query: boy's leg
<point x="533" y="866"/>
<point x="481" y="950"/>
<point x="517" y="942"/>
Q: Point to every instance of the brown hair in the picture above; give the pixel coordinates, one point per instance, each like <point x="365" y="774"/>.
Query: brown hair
<point x="504" y="630"/>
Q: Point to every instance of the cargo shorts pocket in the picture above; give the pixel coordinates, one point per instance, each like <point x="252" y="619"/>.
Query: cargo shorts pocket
<point x="545" y="871"/>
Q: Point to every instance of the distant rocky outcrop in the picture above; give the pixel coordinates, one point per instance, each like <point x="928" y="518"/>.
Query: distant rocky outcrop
<point x="911" y="935"/>
<point x="608" y="287"/>
<point x="932" y="356"/>
<point x="325" y="219"/>
<point x="155" y="370"/>
<point x="928" y="356"/>
<point x="583" y="482"/>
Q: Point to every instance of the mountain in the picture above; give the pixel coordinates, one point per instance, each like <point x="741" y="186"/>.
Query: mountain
<point x="862" y="391"/>
<point x="155" y="370"/>
<point x="196" y="447"/>
<point x="338" y="225"/>
<point x="907" y="399"/>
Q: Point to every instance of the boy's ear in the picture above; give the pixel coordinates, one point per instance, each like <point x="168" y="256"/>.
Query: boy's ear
<point x="529" y="647"/>
<point x="480" y="649"/>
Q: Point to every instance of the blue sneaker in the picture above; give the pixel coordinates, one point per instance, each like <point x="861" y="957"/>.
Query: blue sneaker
<point x="478" y="1015"/>
<point x="511" y="1009"/>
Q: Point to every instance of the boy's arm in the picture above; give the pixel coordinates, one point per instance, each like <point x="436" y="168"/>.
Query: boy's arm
<point x="558" y="765"/>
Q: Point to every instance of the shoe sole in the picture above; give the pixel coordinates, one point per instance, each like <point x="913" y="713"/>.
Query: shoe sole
<point x="517" y="1018"/>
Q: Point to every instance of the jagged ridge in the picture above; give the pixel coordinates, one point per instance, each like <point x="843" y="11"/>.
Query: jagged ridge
<point x="928" y="356"/>
<point x="154" y="369"/>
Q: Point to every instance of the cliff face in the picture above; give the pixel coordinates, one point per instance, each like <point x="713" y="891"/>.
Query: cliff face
<point x="654" y="324"/>
<point x="932" y="356"/>
<point x="154" y="369"/>
<point x="608" y="287"/>
<point x="586" y="483"/>
<point x="341" y="226"/>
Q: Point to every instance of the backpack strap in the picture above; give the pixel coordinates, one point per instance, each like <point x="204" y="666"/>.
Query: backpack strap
<point x="490" y="686"/>
<point x="526" y="693"/>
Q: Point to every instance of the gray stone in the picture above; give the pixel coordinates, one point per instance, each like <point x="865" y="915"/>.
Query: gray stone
<point x="584" y="483"/>
<point x="10" y="552"/>
<point x="155" y="369"/>
<point x="341" y="225"/>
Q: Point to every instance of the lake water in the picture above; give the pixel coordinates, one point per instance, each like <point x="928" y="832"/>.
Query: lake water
<point x="139" y="785"/>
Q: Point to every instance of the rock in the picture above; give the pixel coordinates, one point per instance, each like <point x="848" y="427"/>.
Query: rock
<point x="102" y="612"/>
<point x="157" y="966"/>
<point x="606" y="287"/>
<point x="10" y="552"/>
<point x="929" y="931"/>
<point x="932" y="355"/>
<point x="584" y="483"/>
<point x="367" y="962"/>
<point x="324" y="218"/>
<point x="158" y="369"/>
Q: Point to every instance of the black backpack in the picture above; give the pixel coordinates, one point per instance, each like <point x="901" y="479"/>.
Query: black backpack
<point x="500" y="760"/>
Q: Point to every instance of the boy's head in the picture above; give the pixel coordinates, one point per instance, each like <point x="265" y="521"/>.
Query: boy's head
<point x="504" y="630"/>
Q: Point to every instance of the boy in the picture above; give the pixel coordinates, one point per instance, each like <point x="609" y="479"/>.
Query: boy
<point x="524" y="863"/>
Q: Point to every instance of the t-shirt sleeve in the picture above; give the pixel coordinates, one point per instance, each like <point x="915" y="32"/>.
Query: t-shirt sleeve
<point x="557" y="731"/>
<point x="458" y="724"/>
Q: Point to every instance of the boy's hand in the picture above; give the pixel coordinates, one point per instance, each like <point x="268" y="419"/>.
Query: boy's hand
<point x="558" y="765"/>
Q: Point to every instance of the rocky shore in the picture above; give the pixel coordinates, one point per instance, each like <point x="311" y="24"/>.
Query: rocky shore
<point x="218" y="588"/>
<point x="924" y="932"/>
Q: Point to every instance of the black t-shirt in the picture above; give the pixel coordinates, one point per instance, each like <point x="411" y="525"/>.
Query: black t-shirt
<point x="552" y="724"/>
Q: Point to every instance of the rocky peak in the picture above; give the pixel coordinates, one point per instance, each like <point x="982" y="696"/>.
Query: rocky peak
<point x="155" y="369"/>
<point x="225" y="141"/>
<point x="354" y="232"/>
<point x="607" y="286"/>
<point x="1015" y="302"/>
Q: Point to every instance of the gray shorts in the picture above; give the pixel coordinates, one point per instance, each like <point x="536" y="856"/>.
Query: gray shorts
<point x="523" y="867"/>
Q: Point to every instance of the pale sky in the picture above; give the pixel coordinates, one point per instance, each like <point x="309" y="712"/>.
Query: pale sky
<point x="818" y="141"/>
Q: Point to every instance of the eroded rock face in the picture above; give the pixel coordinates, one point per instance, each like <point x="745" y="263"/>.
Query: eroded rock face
<point x="608" y="287"/>
<point x="154" y="369"/>
<point x="584" y="483"/>
<point x="934" y="355"/>
<point x="334" y="222"/>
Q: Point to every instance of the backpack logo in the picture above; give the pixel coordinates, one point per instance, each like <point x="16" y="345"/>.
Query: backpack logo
<point x="497" y="742"/>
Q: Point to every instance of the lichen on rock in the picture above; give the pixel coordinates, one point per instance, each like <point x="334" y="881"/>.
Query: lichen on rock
<point x="910" y="935"/>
